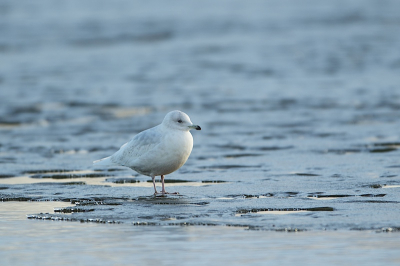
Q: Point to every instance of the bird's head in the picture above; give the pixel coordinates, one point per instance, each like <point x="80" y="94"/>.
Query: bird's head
<point x="179" y="120"/>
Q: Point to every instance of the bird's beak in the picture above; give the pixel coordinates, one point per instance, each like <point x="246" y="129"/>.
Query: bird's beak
<point x="195" y="127"/>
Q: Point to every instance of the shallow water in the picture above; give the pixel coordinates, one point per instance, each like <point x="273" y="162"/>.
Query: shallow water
<point x="299" y="106"/>
<point x="44" y="242"/>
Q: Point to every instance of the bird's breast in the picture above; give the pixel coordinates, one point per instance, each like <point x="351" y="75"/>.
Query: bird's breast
<point x="177" y="148"/>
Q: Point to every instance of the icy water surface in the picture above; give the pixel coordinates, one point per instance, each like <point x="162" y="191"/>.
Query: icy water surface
<point x="298" y="157"/>
<point x="44" y="243"/>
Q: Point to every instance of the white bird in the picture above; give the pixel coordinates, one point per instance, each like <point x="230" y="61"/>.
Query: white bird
<point x="157" y="151"/>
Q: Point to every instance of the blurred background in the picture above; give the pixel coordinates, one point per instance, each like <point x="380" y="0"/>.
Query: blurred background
<point x="74" y="75"/>
<point x="298" y="101"/>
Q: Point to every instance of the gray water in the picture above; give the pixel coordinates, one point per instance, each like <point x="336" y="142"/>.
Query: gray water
<point x="297" y="162"/>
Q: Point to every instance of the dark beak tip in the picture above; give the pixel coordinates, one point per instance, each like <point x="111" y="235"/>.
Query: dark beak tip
<point x="198" y="128"/>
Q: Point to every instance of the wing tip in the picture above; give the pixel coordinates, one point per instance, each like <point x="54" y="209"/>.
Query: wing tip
<point x="104" y="161"/>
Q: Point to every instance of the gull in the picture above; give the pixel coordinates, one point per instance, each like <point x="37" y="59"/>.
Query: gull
<point x="157" y="151"/>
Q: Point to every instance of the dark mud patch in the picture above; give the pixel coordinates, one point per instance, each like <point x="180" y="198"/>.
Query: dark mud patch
<point x="375" y="186"/>
<point x="393" y="166"/>
<point x="47" y="216"/>
<point x="344" y="195"/>
<point x="329" y="196"/>
<point x="271" y="137"/>
<point x="339" y="151"/>
<point x="73" y="210"/>
<point x="291" y="194"/>
<point x="56" y="197"/>
<point x="250" y="196"/>
<point x="18" y="198"/>
<point x="257" y="210"/>
<point x="373" y="201"/>
<point x="116" y="169"/>
<point x="239" y="155"/>
<point x="123" y="180"/>
<point x="388" y="144"/>
<point x="123" y="38"/>
<point x="382" y="149"/>
<point x="7" y="124"/>
<point x="73" y="183"/>
<point x="170" y="181"/>
<point x="97" y="202"/>
<point x="45" y="171"/>
<point x="328" y="134"/>
<point x="306" y="174"/>
<point x="388" y="175"/>
<point x="272" y="148"/>
<point x="175" y="224"/>
<point x="6" y="176"/>
<point x="373" y="195"/>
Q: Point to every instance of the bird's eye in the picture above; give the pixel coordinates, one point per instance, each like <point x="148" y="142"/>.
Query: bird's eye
<point x="179" y="121"/>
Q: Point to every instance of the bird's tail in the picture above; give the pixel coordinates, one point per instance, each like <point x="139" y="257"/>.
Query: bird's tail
<point x="104" y="162"/>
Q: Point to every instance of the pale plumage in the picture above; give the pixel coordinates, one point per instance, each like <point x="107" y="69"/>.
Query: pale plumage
<point x="157" y="151"/>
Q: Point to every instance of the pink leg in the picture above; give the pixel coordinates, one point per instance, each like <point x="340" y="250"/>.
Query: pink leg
<point x="154" y="185"/>
<point x="162" y="184"/>
<point x="163" y="187"/>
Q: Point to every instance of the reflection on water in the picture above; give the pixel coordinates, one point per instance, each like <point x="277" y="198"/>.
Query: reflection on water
<point x="87" y="243"/>
<point x="17" y="211"/>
